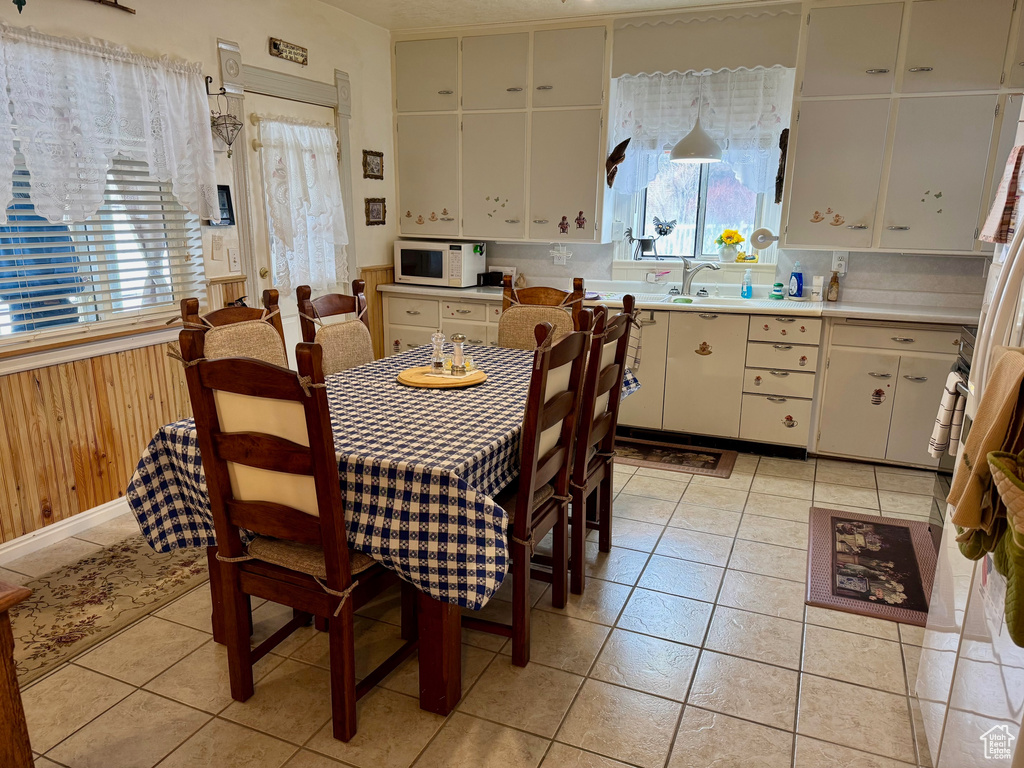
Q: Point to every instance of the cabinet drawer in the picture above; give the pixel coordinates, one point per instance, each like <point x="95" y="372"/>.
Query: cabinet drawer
<point x="786" y="357"/>
<point x="421" y="312"/>
<point x="763" y="381"/>
<point x="475" y="333"/>
<point x="464" y="310"/>
<point x="401" y="339"/>
<point x="795" y="330"/>
<point x="775" y="420"/>
<point x="911" y="339"/>
<point x="493" y="312"/>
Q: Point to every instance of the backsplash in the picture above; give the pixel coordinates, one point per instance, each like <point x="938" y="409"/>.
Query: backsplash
<point x="882" y="278"/>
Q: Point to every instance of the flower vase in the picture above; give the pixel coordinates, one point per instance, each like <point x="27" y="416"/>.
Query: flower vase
<point x="728" y="253"/>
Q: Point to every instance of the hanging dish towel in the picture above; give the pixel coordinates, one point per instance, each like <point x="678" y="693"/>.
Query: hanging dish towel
<point x="949" y="420"/>
<point x="999" y="224"/>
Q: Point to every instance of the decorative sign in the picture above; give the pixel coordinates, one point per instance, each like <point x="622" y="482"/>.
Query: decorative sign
<point x="289" y="51"/>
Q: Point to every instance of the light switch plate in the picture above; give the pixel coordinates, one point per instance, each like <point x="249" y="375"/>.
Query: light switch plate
<point x="839" y="261"/>
<point x="234" y="260"/>
<point x="217" y="247"/>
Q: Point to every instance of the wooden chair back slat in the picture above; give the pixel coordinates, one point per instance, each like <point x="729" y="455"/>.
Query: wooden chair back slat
<point x="275" y="520"/>
<point x="243" y="376"/>
<point x="263" y="452"/>
<point x="228" y="315"/>
<point x="329" y="305"/>
<point x="544" y="296"/>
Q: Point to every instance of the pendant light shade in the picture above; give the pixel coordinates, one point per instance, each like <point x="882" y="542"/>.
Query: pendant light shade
<point x="696" y="147"/>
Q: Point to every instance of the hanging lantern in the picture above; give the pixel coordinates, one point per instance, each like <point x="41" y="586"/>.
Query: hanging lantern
<point x="225" y="125"/>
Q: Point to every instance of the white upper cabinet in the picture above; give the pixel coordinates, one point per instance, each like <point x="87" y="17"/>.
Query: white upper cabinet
<point x="428" y="173"/>
<point x="564" y="174"/>
<point x="568" y="67"/>
<point x="426" y="75"/>
<point x="494" y="175"/>
<point x="1015" y="79"/>
<point x="852" y="50"/>
<point x="495" y="71"/>
<point x="836" y="173"/>
<point x="956" y="45"/>
<point x="937" y="178"/>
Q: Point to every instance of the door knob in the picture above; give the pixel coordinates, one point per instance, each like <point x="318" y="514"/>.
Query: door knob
<point x="264" y="272"/>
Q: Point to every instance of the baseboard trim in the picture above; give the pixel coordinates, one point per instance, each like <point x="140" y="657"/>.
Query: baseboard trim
<point x="51" y="534"/>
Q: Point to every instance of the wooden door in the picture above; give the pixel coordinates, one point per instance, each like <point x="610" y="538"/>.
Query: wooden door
<point x="644" y="407"/>
<point x="922" y="379"/>
<point x="856" y="407"/>
<point x="704" y="375"/>
<point x="851" y="50"/>
<point x="937" y="177"/>
<point x="833" y="190"/>
<point x="565" y="169"/>
<point x="428" y="175"/>
<point x="426" y="75"/>
<point x="568" y="67"/>
<point x="494" y="175"/>
<point x="956" y="45"/>
<point x="495" y="71"/>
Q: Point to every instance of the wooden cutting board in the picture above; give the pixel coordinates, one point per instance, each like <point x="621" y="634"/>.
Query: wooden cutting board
<point x="418" y="377"/>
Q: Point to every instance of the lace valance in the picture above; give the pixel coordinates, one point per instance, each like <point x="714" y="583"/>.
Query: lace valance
<point x="74" y="105"/>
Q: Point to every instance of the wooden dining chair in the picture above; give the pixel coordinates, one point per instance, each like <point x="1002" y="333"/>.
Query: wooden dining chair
<point x="538" y="501"/>
<point x="345" y="344"/>
<point x="268" y="454"/>
<point x="241" y="331"/>
<point x="591" y="477"/>
<point x="523" y="309"/>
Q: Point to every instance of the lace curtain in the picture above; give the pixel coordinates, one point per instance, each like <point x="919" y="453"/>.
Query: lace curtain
<point x="744" y="110"/>
<point x="305" y="214"/>
<point x="75" y="105"/>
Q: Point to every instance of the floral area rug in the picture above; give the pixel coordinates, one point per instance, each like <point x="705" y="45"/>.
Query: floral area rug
<point x="871" y="565"/>
<point x="680" y="458"/>
<point x="81" y="604"/>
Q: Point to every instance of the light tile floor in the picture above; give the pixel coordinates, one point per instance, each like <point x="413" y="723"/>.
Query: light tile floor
<point x="691" y="647"/>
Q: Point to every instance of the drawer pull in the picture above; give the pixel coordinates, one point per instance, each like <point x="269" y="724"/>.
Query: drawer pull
<point x="782" y="347"/>
<point x="545" y="87"/>
<point x="857" y="226"/>
<point x="475" y="341"/>
<point x="899" y="229"/>
<point x="774" y="399"/>
<point x="411" y="346"/>
<point x="916" y="378"/>
<point x="412" y="312"/>
<point x="445" y="93"/>
<point x="447" y="218"/>
<point x="785" y="319"/>
<point x="511" y="221"/>
<point x="880" y="375"/>
<point x="464" y="311"/>
<point x="780" y="374"/>
<point x="922" y="69"/>
<point x="540" y="221"/>
<point x="513" y="90"/>
<point x="707" y="316"/>
<point x="877" y="71"/>
<point x="903" y="339"/>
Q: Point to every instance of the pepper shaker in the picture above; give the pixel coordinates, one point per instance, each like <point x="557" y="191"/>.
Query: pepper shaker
<point x="437" y="356"/>
<point x="458" y="356"/>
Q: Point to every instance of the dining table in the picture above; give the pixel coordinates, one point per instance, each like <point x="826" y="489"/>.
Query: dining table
<point x="419" y="469"/>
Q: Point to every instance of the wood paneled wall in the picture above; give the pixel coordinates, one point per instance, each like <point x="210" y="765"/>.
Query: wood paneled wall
<point x="221" y="291"/>
<point x="374" y="276"/>
<point x="71" y="434"/>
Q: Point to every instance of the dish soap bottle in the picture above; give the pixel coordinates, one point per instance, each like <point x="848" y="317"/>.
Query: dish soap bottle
<point x="747" y="286"/>
<point x="796" y="282"/>
<point x="833" y="287"/>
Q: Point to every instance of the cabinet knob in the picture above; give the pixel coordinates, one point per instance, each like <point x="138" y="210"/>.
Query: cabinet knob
<point x="880" y="375"/>
<point x="782" y="347"/>
<point x="774" y="399"/>
<point x="921" y="69"/>
<point x="445" y="93"/>
<point x="903" y="339"/>
<point x="513" y="90"/>
<point x="780" y="374"/>
<point x="857" y="226"/>
<point x="707" y="316"/>
<point x="877" y="71"/>
<point x="916" y="378"/>
<point x="898" y="229"/>
<point x="785" y="319"/>
<point x="545" y="87"/>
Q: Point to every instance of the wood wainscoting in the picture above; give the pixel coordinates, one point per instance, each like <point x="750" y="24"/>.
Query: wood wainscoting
<point x="374" y="276"/>
<point x="222" y="291"/>
<point x="72" y="433"/>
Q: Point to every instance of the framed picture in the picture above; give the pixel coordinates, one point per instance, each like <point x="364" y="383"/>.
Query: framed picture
<point x="376" y="211"/>
<point x="373" y="164"/>
<point x="227" y="212"/>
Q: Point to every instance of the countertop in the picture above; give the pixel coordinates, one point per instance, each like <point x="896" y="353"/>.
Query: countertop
<point x="907" y="313"/>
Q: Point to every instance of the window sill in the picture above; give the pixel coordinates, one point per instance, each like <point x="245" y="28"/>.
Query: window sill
<point x="41" y="353"/>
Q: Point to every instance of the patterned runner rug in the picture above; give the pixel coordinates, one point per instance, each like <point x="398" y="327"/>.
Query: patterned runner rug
<point x="871" y="565"/>
<point x="79" y="605"/>
<point x="680" y="458"/>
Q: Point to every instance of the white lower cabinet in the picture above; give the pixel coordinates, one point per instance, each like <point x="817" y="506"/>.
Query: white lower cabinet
<point x="644" y="408"/>
<point x="704" y="373"/>
<point x="411" y="319"/>
<point x="921" y="381"/>
<point x="475" y="333"/>
<point x="775" y="419"/>
<point x="403" y="338"/>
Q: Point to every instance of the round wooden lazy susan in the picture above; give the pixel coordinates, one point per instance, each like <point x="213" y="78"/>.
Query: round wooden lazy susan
<point x="418" y="377"/>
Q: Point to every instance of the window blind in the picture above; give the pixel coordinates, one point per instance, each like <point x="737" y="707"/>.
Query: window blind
<point x="130" y="263"/>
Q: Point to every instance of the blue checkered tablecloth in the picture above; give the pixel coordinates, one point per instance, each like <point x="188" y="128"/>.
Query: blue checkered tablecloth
<point x="418" y="467"/>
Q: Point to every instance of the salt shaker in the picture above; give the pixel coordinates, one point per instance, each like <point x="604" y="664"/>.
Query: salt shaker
<point x="458" y="356"/>
<point x="437" y="356"/>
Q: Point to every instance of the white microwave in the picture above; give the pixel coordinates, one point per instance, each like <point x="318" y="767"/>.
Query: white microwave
<point x="450" y="265"/>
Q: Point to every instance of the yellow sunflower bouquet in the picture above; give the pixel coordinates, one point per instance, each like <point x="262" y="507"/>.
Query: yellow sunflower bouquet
<point x="730" y="237"/>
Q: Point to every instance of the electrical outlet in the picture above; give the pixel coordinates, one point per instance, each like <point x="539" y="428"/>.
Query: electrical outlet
<point x="839" y="260"/>
<point x="234" y="260"/>
<point x="558" y="259"/>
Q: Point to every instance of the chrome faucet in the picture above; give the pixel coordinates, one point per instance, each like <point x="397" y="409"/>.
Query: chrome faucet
<point x="690" y="271"/>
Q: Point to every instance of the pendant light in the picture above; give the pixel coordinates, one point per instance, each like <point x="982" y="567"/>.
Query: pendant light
<point x="697" y="146"/>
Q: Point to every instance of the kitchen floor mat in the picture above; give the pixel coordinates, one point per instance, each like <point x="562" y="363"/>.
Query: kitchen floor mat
<point x="679" y="458"/>
<point x="870" y="565"/>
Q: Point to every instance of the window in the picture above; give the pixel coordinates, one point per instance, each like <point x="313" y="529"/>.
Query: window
<point x="703" y="200"/>
<point x="133" y="261"/>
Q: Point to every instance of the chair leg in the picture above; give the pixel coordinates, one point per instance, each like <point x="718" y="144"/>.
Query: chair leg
<point x="237" y="616"/>
<point x="560" y="560"/>
<point x="216" y="597"/>
<point x="410" y="625"/>
<point x="578" y="540"/>
<point x="520" y="604"/>
<point x="320" y="624"/>
<point x="604" y="512"/>
<point x="343" y="672"/>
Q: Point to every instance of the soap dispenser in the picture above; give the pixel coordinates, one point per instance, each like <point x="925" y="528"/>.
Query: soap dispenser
<point x="796" y="282"/>
<point x="747" y="286"/>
